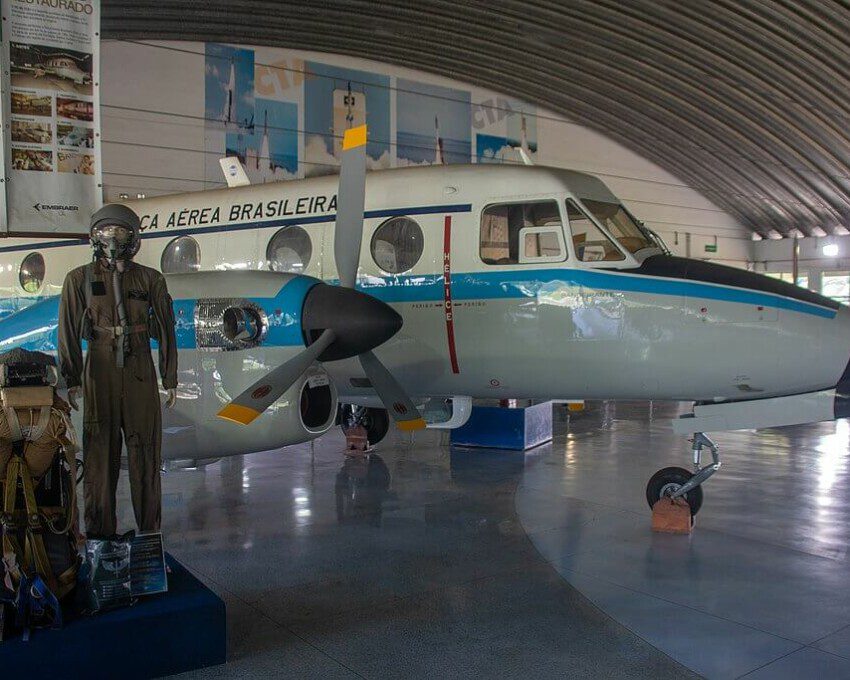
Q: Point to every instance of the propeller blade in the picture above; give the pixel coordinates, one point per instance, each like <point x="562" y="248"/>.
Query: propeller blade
<point x="398" y="404"/>
<point x="348" y="233"/>
<point x="263" y="393"/>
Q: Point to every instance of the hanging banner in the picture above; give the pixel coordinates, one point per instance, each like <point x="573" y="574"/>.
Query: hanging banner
<point x="51" y="114"/>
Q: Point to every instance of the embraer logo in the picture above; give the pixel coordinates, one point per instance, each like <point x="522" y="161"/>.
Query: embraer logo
<point x="42" y="206"/>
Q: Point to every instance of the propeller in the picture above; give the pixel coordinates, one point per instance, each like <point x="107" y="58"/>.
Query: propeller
<point x="338" y="321"/>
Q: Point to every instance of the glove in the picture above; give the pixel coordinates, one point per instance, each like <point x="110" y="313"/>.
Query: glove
<point x="73" y="394"/>
<point x="170" y="397"/>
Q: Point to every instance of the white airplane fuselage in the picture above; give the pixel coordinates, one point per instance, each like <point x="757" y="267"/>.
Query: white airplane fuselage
<point x="649" y="326"/>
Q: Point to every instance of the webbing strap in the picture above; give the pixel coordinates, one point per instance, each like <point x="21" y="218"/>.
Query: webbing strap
<point x="35" y="433"/>
<point x="34" y="557"/>
<point x="14" y="424"/>
<point x="87" y="280"/>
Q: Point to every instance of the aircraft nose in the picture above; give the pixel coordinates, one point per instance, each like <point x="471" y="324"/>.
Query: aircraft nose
<point x="361" y="322"/>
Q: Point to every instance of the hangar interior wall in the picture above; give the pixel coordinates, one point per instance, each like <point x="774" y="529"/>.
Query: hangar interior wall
<point x="159" y="135"/>
<point x="818" y="272"/>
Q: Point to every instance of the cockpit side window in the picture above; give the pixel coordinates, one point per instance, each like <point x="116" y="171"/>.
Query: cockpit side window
<point x="522" y="233"/>
<point x="620" y="224"/>
<point x="589" y="241"/>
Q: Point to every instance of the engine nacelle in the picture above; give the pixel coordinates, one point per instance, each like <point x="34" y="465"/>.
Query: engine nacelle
<point x="305" y="411"/>
<point x="241" y="325"/>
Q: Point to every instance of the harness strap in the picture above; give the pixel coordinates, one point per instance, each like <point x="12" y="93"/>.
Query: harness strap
<point x="34" y="556"/>
<point x="35" y="433"/>
<point x="14" y="424"/>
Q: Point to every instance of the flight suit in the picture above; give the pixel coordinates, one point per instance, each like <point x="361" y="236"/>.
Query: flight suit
<point x="118" y="400"/>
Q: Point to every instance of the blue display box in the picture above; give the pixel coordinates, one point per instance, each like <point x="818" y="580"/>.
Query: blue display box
<point x="497" y="427"/>
<point x="181" y="630"/>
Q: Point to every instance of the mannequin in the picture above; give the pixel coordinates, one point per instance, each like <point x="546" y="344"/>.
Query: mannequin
<point x="117" y="305"/>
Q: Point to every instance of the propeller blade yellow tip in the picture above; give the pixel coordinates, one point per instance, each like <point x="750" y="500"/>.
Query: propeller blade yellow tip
<point x="410" y="425"/>
<point x="238" y="414"/>
<point x="354" y="137"/>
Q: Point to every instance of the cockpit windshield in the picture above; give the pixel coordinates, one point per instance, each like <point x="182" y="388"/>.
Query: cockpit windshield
<point x="621" y="225"/>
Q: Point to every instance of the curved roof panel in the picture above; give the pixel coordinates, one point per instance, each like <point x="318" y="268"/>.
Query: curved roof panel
<point x="747" y="101"/>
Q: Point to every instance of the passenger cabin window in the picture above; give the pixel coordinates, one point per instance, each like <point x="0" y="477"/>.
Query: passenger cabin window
<point x="620" y="224"/>
<point x="180" y="256"/>
<point x="589" y="241"/>
<point x="522" y="233"/>
<point x="289" y="250"/>
<point x="31" y="274"/>
<point x="397" y="245"/>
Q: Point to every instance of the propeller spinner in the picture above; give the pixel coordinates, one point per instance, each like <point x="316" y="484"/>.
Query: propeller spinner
<point x="338" y="321"/>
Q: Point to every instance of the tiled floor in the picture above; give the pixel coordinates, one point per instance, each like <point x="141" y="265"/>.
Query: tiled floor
<point x="427" y="573"/>
<point x="759" y="588"/>
<point x="441" y="563"/>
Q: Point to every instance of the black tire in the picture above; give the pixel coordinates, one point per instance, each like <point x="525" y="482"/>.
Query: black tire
<point x="377" y="424"/>
<point x="667" y="477"/>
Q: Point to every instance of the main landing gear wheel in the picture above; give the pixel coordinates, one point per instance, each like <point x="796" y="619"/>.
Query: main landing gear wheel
<point x="377" y="424"/>
<point x="668" y="481"/>
<point x="375" y="420"/>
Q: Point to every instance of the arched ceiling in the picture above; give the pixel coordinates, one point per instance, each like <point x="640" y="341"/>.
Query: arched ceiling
<point x="745" y="100"/>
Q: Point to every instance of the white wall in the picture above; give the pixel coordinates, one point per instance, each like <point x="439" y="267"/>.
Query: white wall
<point x="153" y="143"/>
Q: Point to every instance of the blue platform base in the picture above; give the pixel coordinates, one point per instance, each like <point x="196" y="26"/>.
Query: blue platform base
<point x="178" y="631"/>
<point x="495" y="427"/>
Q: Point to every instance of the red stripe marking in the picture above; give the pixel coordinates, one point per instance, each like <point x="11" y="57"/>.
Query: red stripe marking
<point x="447" y="292"/>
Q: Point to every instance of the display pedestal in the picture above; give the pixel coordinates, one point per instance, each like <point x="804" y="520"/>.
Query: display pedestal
<point x="181" y="630"/>
<point x="496" y="427"/>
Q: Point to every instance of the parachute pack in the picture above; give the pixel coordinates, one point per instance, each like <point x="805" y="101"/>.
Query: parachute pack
<point x="38" y="476"/>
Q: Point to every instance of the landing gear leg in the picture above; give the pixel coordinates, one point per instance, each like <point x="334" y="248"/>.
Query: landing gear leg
<point x="676" y="482"/>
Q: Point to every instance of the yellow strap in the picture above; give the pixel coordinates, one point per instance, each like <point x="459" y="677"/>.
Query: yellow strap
<point x="34" y="555"/>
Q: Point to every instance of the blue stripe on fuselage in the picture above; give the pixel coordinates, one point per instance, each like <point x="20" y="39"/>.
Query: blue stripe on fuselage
<point x="502" y="284"/>
<point x="35" y="327"/>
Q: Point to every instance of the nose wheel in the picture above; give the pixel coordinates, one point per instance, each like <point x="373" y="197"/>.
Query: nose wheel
<point x="676" y="482"/>
<point x="667" y="482"/>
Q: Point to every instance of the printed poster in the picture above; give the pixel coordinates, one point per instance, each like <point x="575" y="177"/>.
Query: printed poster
<point x="50" y="101"/>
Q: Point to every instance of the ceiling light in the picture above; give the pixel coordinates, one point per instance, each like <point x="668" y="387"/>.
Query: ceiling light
<point x="818" y="231"/>
<point x="830" y="250"/>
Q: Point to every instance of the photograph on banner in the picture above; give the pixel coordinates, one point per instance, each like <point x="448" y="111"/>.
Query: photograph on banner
<point x="336" y="99"/>
<point x="50" y="68"/>
<point x="31" y="132"/>
<point x="229" y="86"/>
<point x="32" y="104"/>
<point x="269" y="151"/>
<point x="433" y="124"/>
<point x="75" y="109"/>
<point x="74" y="136"/>
<point x="80" y="163"/>
<point x="29" y="159"/>
<point x="505" y="130"/>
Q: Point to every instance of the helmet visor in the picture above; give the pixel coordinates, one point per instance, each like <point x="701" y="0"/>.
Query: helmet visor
<point x="114" y="239"/>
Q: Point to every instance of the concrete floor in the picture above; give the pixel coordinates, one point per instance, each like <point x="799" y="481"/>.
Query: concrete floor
<point x="463" y="564"/>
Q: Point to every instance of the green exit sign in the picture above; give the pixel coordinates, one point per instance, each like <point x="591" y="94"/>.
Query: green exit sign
<point x="711" y="247"/>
